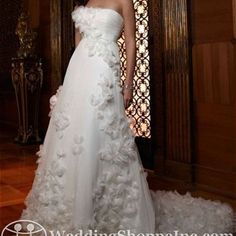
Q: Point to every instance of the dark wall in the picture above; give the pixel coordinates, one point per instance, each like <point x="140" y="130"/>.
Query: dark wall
<point x="9" y="12"/>
<point x="39" y="18"/>
<point x="212" y="165"/>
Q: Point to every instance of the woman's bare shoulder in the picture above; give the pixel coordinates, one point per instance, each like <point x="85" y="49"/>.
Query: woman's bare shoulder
<point x="126" y="5"/>
<point x="76" y="7"/>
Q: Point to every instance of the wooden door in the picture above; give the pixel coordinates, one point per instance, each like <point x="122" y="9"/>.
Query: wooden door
<point x="171" y="87"/>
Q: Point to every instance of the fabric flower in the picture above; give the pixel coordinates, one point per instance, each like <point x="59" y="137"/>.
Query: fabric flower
<point x="61" y="121"/>
<point x="53" y="100"/>
<point x="77" y="147"/>
<point x="190" y="215"/>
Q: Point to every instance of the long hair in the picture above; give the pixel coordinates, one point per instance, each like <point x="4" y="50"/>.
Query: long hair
<point x="80" y="2"/>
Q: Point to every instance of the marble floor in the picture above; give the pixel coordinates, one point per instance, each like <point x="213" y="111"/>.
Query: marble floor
<point x="17" y="166"/>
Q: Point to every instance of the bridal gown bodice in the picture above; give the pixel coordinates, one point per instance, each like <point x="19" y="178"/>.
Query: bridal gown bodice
<point x="89" y="174"/>
<point x="98" y="23"/>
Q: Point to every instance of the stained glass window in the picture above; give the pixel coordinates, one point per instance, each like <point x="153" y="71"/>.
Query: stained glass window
<point x="139" y="111"/>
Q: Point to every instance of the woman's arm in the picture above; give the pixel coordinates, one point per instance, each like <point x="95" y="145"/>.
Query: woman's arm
<point x="77" y="37"/>
<point x="77" y="32"/>
<point x="130" y="45"/>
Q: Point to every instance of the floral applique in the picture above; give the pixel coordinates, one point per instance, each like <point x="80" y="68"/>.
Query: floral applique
<point x="116" y="194"/>
<point x="48" y="193"/>
<point x="77" y="147"/>
<point x="53" y="100"/>
<point x="115" y="200"/>
<point x="61" y="121"/>
<point x="96" y="42"/>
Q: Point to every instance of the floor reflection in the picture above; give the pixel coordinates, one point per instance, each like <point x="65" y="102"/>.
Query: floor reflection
<point x="17" y="166"/>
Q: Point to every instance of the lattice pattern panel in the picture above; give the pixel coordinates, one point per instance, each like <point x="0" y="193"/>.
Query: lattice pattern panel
<point x="139" y="111"/>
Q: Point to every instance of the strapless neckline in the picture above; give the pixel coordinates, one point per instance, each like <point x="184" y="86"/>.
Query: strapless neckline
<point x="104" y="9"/>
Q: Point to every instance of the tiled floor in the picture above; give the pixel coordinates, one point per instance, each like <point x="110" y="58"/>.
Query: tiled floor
<point x="17" y="166"/>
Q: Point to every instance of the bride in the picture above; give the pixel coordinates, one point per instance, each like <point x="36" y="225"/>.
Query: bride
<point x="89" y="174"/>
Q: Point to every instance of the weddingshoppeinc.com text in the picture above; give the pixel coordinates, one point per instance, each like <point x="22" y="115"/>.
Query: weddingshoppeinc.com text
<point x="129" y="233"/>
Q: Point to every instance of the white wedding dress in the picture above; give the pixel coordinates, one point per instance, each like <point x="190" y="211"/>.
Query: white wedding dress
<point x="89" y="173"/>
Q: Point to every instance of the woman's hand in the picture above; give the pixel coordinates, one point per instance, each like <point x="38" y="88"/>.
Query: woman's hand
<point x="130" y="45"/>
<point x="128" y="96"/>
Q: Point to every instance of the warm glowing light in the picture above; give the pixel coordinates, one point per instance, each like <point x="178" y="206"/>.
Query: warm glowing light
<point x="139" y="111"/>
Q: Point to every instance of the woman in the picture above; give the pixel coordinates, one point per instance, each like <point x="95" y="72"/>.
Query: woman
<point x="90" y="176"/>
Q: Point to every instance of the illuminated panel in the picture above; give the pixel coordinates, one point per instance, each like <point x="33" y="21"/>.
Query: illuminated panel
<point x="139" y="111"/>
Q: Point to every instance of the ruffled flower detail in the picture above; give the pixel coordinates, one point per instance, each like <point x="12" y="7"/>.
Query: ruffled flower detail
<point x="61" y="121"/>
<point x="82" y="19"/>
<point x="101" y="48"/>
<point x="96" y="42"/>
<point x="48" y="193"/>
<point x="77" y="147"/>
<point x="40" y="153"/>
<point x="106" y="95"/>
<point x="61" y="154"/>
<point x="53" y="100"/>
<point x="116" y="194"/>
<point x="119" y="153"/>
<point x="189" y="215"/>
<point x="115" y="200"/>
